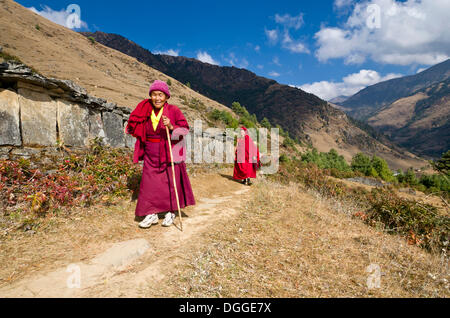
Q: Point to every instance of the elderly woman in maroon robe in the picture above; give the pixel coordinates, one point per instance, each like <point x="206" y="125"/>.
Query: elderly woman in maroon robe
<point x="246" y="160"/>
<point x="147" y="123"/>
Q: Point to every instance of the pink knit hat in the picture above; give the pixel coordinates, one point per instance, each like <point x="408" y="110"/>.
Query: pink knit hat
<point x="160" y="86"/>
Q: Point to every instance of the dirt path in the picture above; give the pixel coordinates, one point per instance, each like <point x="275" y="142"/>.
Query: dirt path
<point x="126" y="266"/>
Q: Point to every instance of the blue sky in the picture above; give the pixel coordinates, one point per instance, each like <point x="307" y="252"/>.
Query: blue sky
<point x="330" y="47"/>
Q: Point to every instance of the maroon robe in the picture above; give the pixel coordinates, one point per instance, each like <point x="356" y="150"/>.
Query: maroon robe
<point x="246" y="160"/>
<point x="156" y="193"/>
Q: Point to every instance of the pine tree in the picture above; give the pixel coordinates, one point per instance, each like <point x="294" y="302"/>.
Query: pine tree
<point x="443" y="165"/>
<point x="361" y="162"/>
<point x="266" y="124"/>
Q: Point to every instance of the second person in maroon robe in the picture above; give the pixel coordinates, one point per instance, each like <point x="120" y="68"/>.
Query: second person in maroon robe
<point x="246" y="160"/>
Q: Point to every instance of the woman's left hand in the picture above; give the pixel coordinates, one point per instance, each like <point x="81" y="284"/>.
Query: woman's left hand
<point x="166" y="122"/>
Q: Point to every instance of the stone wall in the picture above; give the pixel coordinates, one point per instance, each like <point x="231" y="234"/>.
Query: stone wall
<point x="38" y="113"/>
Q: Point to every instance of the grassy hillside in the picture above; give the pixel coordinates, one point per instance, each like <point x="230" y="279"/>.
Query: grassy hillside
<point x="419" y="122"/>
<point x="65" y="54"/>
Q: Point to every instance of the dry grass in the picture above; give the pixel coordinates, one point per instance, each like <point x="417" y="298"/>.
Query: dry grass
<point x="65" y="239"/>
<point x="290" y="243"/>
<point x="285" y="242"/>
<point x="419" y="196"/>
<point x="398" y="114"/>
<point x="79" y="234"/>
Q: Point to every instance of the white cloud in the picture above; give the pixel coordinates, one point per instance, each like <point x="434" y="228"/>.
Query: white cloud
<point x="391" y="32"/>
<point x="350" y="84"/>
<point x="340" y="4"/>
<point x="206" y="58"/>
<point x="257" y="48"/>
<point x="234" y="61"/>
<point x="290" y="22"/>
<point x="293" y="46"/>
<point x="260" y="66"/>
<point x="274" y="74"/>
<point x="244" y="63"/>
<point x="272" y="35"/>
<point x="231" y="60"/>
<point x="66" y="18"/>
<point x="421" y="70"/>
<point x="276" y="61"/>
<point x="170" y="52"/>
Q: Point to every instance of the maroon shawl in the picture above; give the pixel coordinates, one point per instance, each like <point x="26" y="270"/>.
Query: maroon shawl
<point x="137" y="128"/>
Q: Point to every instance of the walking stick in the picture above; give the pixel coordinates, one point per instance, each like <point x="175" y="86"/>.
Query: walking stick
<point x="173" y="174"/>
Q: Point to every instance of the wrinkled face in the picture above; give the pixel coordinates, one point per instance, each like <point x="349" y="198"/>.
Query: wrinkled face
<point x="158" y="98"/>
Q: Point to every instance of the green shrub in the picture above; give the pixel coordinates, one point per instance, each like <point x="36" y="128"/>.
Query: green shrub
<point x="382" y="168"/>
<point x="327" y="160"/>
<point x="80" y="180"/>
<point x="246" y="122"/>
<point x="419" y="222"/>
<point x="284" y="158"/>
<point x="266" y="124"/>
<point x="443" y="165"/>
<point x="361" y="162"/>
<point x="410" y="177"/>
<point x="9" y="57"/>
<point x="372" y="167"/>
<point x="437" y="181"/>
<point x="372" y="172"/>
<point x="224" y="117"/>
<point x="288" y="143"/>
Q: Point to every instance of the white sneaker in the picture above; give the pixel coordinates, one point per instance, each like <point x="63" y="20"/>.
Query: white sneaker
<point x="168" y="220"/>
<point x="149" y="220"/>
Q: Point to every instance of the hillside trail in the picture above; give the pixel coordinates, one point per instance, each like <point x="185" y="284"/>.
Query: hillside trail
<point x="124" y="268"/>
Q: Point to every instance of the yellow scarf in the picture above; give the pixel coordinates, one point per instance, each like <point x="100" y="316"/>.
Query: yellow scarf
<point x="155" y="119"/>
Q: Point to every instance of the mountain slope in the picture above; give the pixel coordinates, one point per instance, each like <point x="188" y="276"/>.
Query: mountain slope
<point x="56" y="51"/>
<point x="261" y="96"/>
<point x="304" y="115"/>
<point x="371" y="99"/>
<point x="420" y="122"/>
<point x="339" y="99"/>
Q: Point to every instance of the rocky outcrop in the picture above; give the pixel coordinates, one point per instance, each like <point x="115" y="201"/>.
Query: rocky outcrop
<point x="38" y="112"/>
<point x="73" y="124"/>
<point x="9" y="118"/>
<point x="38" y="118"/>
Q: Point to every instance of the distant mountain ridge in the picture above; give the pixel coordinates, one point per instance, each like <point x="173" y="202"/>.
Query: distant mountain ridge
<point x="339" y="99"/>
<point x="304" y="115"/>
<point x="420" y="122"/>
<point x="261" y="96"/>
<point x="371" y="99"/>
